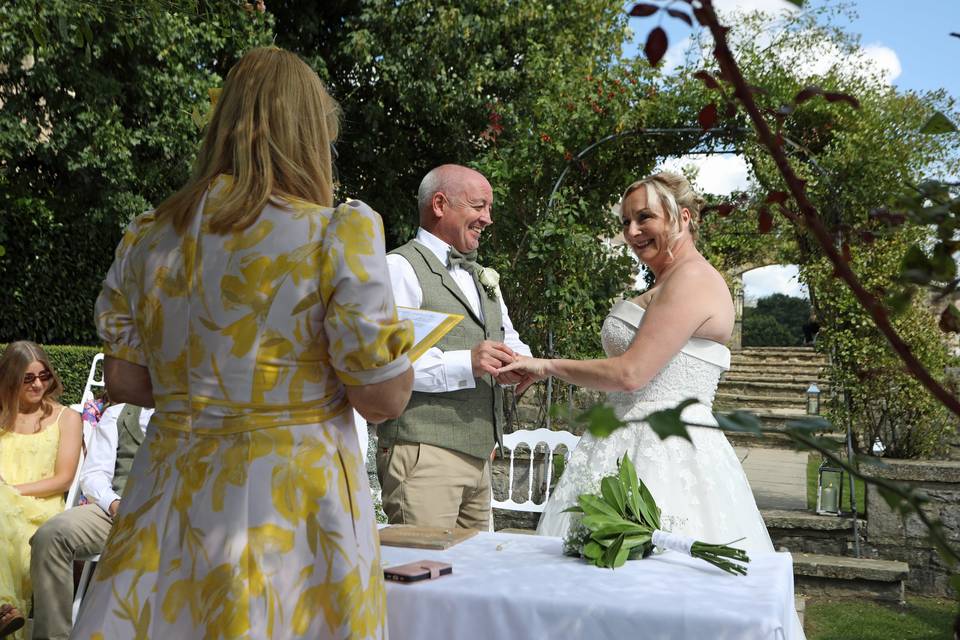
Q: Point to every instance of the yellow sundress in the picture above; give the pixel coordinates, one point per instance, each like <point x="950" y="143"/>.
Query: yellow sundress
<point x="24" y="457"/>
<point x="247" y="513"/>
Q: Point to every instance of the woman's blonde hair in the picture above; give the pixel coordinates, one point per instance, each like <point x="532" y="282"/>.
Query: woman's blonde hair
<point x="674" y="193"/>
<point x="272" y="130"/>
<point x="13" y="366"/>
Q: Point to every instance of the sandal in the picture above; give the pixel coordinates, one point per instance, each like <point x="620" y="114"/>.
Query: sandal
<point x="11" y="620"/>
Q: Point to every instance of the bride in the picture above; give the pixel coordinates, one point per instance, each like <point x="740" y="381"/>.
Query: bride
<point x="662" y="347"/>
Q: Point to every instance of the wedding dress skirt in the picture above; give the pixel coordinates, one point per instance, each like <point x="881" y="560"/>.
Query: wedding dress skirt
<point x="700" y="487"/>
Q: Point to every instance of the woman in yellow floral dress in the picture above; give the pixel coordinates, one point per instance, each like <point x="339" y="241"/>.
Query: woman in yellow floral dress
<point x="252" y="315"/>
<point x="39" y="451"/>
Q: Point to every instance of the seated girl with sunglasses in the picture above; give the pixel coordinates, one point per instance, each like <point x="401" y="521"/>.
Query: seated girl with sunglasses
<point x="39" y="451"/>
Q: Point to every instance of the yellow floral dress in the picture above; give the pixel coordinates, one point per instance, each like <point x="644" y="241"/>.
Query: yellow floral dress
<point x="247" y="512"/>
<point x="24" y="458"/>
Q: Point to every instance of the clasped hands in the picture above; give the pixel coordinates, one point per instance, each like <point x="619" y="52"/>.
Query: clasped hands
<point x="506" y="366"/>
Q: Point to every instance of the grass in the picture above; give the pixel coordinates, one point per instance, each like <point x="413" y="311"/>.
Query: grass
<point x="922" y="618"/>
<point x="813" y="464"/>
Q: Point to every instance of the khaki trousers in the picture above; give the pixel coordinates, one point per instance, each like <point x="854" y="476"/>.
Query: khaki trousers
<point x="77" y="532"/>
<point x="429" y="486"/>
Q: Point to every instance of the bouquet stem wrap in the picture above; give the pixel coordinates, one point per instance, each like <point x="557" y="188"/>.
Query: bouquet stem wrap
<point x="672" y="541"/>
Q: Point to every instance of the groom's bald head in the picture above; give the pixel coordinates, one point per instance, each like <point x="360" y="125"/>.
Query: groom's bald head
<point x="454" y="204"/>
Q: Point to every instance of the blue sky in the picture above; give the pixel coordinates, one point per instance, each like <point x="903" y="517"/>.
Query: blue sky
<point x="919" y="33"/>
<point x="910" y="40"/>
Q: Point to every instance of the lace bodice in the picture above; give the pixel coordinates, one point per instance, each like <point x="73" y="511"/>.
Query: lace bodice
<point x="692" y="373"/>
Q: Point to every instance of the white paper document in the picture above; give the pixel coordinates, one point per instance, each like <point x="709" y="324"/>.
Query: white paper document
<point x="428" y="327"/>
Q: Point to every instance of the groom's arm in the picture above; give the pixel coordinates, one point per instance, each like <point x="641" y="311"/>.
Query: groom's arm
<point x="435" y="371"/>
<point x="510" y="336"/>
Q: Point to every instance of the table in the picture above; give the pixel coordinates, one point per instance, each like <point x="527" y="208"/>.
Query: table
<point x="512" y="586"/>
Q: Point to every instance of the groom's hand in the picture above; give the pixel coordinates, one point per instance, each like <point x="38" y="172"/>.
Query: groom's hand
<point x="489" y="356"/>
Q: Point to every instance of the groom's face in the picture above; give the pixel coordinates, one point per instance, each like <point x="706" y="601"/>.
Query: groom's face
<point x="466" y="213"/>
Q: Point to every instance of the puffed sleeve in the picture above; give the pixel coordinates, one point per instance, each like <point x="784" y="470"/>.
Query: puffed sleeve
<point x="366" y="341"/>
<point x="112" y="315"/>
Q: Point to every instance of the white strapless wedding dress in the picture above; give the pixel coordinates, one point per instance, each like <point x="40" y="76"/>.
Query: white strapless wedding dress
<point x="700" y="487"/>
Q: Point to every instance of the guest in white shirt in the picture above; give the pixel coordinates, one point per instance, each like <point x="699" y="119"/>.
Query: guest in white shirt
<point x="434" y="460"/>
<point x="82" y="531"/>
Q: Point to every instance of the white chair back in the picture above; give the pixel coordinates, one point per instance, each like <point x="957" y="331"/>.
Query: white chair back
<point x="532" y="438"/>
<point x="73" y="494"/>
<point x="94" y="379"/>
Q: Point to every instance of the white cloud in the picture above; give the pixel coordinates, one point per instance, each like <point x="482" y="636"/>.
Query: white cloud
<point x="769" y="6"/>
<point x="675" y="55"/>
<point x="886" y="59"/>
<point x="766" y="281"/>
<point x="716" y="174"/>
<point x="873" y="59"/>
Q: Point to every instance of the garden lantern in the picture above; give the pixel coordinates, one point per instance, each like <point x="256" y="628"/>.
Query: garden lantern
<point x="829" y="489"/>
<point x="813" y="399"/>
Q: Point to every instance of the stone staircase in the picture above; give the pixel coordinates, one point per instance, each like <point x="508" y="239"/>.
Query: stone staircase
<point x="773" y="380"/>
<point x="771" y="383"/>
<point x="823" y="557"/>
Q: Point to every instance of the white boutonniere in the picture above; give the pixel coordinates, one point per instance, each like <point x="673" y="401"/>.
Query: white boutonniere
<point x="490" y="280"/>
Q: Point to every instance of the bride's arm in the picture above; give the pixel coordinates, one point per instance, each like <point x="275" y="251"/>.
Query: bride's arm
<point x="683" y="306"/>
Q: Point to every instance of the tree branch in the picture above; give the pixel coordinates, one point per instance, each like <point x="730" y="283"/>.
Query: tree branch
<point x="731" y="71"/>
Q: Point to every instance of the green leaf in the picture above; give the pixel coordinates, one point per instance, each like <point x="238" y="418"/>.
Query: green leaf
<point x="592" y="550"/>
<point x="599" y="521"/>
<point x="742" y="421"/>
<point x="810" y="425"/>
<point x="893" y="499"/>
<point x="630" y="483"/>
<point x="620" y="528"/>
<point x="613" y="494"/>
<point x="944" y="266"/>
<point x="600" y="420"/>
<point x="938" y="123"/>
<point x="799" y="3"/>
<point x="592" y="505"/>
<point x="916" y="267"/>
<point x="668" y="422"/>
<point x="637" y="540"/>
<point x="615" y="555"/>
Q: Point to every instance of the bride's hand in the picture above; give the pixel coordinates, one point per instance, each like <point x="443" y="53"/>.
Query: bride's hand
<point x="539" y="368"/>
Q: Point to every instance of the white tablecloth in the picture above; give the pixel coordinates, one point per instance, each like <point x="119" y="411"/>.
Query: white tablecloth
<point x="510" y="586"/>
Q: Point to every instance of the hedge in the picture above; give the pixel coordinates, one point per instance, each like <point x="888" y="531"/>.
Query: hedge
<point x="72" y="365"/>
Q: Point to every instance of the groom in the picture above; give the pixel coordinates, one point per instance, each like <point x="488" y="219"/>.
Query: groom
<point x="434" y="460"/>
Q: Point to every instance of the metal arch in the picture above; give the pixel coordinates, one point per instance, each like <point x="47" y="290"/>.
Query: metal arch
<point x="659" y="131"/>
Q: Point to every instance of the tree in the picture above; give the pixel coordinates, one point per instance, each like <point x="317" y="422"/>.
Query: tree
<point x="97" y="124"/>
<point x="776" y="321"/>
<point x="514" y="89"/>
<point x="852" y="161"/>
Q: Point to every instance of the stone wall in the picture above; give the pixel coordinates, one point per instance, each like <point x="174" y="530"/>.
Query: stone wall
<point x="892" y="537"/>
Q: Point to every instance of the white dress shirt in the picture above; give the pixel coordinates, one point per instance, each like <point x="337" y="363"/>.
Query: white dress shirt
<point x="438" y="371"/>
<point x="96" y="476"/>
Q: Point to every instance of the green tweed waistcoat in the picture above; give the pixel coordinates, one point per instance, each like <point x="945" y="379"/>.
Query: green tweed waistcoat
<point x="469" y="421"/>
<point x="129" y="437"/>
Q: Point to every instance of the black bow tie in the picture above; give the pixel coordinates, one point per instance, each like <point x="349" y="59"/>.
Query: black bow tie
<point x="467" y="261"/>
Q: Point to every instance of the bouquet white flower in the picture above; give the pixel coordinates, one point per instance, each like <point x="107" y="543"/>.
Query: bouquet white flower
<point x="623" y="523"/>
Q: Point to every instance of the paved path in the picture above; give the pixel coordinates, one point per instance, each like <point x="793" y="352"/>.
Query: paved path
<point x="778" y="476"/>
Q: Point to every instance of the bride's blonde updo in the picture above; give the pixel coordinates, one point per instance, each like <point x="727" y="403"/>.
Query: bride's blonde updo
<point x="674" y="193"/>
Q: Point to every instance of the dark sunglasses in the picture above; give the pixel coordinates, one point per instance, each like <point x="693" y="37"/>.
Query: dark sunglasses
<point x="43" y="376"/>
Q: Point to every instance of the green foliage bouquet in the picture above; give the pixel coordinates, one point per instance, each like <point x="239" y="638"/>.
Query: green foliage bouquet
<point x="623" y="523"/>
